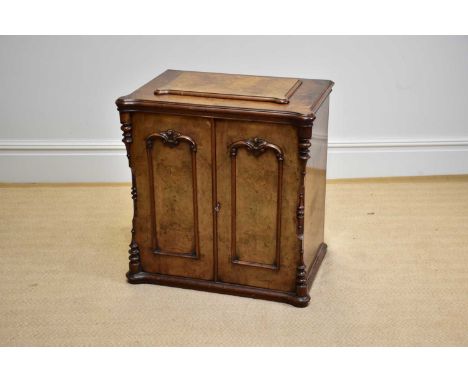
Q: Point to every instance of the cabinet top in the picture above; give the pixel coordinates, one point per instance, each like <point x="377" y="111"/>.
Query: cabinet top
<point x="230" y="96"/>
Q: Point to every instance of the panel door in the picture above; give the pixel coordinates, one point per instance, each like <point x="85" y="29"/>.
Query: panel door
<point x="174" y="220"/>
<point x="257" y="184"/>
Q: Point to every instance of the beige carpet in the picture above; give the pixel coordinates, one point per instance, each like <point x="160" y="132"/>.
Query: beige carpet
<point x="396" y="274"/>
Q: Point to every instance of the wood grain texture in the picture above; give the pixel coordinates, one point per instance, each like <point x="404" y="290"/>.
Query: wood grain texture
<point x="315" y="185"/>
<point x="256" y="210"/>
<point x="172" y="198"/>
<point x="223" y="198"/>
<point x="249" y="199"/>
<point x="173" y="172"/>
<point x="228" y="86"/>
<point x="302" y="104"/>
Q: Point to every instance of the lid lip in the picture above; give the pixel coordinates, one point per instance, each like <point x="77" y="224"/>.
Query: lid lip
<point x="227" y="112"/>
<point x="130" y="104"/>
<point x="230" y="96"/>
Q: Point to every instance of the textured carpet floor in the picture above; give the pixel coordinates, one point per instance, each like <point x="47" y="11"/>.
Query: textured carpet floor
<point x="396" y="274"/>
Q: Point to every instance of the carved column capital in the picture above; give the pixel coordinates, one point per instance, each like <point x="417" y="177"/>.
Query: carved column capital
<point x="127" y="138"/>
<point x="304" y="146"/>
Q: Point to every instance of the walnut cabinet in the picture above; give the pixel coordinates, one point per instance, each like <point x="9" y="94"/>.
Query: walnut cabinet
<point x="228" y="182"/>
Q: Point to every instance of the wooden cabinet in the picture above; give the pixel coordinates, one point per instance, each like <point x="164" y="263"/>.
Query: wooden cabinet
<point x="228" y="182"/>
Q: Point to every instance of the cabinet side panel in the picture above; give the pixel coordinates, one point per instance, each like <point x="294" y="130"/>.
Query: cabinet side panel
<point x="315" y="183"/>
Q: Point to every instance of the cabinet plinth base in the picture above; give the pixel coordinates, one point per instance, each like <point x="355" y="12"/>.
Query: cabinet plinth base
<point x="314" y="267"/>
<point x="233" y="289"/>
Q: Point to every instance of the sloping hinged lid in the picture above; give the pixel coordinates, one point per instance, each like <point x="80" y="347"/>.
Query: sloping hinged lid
<point x="231" y="86"/>
<point x="288" y="100"/>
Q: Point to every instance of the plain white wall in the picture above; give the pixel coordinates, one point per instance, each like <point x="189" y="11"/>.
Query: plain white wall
<point x="402" y="101"/>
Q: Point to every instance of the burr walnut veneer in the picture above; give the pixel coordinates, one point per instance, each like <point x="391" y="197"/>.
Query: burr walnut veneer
<point x="228" y="182"/>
